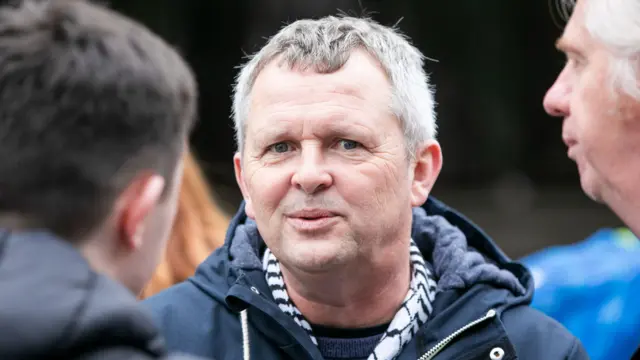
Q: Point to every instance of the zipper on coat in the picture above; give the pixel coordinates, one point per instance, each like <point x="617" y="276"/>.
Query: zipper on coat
<point x="446" y="341"/>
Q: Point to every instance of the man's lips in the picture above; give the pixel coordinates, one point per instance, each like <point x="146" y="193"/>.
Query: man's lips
<point x="312" y="219"/>
<point x="571" y="143"/>
<point x="311" y="214"/>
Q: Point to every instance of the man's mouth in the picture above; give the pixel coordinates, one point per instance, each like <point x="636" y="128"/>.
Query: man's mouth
<point x="312" y="219"/>
<point x="311" y="214"/>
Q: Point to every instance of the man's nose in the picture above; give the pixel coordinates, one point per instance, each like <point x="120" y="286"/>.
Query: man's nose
<point x="556" y="100"/>
<point x="311" y="175"/>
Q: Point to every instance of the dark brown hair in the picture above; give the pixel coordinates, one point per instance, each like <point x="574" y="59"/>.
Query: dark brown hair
<point x="88" y="100"/>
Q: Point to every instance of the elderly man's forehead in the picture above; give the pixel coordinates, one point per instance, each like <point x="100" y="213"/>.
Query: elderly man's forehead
<point x="575" y="34"/>
<point x="361" y="77"/>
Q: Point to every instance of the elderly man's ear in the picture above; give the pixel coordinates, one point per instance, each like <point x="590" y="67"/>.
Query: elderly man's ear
<point x="425" y="169"/>
<point x="237" y="166"/>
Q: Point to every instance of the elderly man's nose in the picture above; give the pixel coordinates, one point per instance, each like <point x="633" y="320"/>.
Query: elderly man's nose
<point x="312" y="176"/>
<point x="556" y="100"/>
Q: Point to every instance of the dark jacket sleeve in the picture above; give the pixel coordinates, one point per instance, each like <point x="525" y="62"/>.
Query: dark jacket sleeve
<point x="537" y="336"/>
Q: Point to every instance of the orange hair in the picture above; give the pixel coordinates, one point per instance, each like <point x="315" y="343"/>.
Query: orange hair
<point x="199" y="228"/>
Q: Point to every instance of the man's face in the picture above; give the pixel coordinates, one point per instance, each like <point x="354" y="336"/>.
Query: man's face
<point x="325" y="171"/>
<point x="601" y="126"/>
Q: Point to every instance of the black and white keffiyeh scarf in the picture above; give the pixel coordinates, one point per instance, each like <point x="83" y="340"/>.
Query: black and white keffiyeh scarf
<point x="414" y="312"/>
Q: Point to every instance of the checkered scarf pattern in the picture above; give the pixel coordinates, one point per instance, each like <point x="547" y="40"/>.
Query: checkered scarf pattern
<point x="414" y="312"/>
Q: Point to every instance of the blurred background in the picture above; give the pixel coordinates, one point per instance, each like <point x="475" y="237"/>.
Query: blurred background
<point x="505" y="165"/>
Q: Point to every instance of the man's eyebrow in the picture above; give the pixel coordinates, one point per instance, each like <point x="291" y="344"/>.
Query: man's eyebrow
<point x="269" y="133"/>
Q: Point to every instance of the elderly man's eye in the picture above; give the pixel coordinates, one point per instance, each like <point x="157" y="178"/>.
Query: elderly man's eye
<point x="349" y="144"/>
<point x="281" y="147"/>
<point x="575" y="62"/>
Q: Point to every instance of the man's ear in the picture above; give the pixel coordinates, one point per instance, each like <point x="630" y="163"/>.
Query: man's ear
<point x="237" y="165"/>
<point x="136" y="203"/>
<point x="425" y="170"/>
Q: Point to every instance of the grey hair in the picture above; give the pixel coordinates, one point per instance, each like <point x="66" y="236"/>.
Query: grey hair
<point x="621" y="37"/>
<point x="325" y="45"/>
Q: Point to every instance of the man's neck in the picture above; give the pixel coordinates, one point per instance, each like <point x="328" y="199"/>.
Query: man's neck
<point x="632" y="222"/>
<point x="357" y="296"/>
<point x="628" y="211"/>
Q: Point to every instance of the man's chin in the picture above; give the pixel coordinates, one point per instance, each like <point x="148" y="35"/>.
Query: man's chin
<point x="590" y="189"/>
<point x="317" y="260"/>
<point x="319" y="263"/>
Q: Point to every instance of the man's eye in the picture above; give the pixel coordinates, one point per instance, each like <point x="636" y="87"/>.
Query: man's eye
<point x="579" y="63"/>
<point x="279" y="147"/>
<point x="575" y="62"/>
<point x="349" y="144"/>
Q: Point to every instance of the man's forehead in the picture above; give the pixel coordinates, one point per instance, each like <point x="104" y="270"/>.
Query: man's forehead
<point x="283" y="87"/>
<point x="575" y="32"/>
<point x="358" y="75"/>
<point x="281" y="94"/>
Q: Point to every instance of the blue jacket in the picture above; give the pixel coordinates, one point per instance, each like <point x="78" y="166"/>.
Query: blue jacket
<point x="481" y="309"/>
<point x="592" y="287"/>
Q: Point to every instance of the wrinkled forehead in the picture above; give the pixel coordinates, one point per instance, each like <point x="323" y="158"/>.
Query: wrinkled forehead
<point x="360" y="84"/>
<point x="575" y="29"/>
<point x="278" y="85"/>
<point x="361" y="75"/>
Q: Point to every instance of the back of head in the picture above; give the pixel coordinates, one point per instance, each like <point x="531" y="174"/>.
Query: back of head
<point x="95" y="112"/>
<point x="88" y="100"/>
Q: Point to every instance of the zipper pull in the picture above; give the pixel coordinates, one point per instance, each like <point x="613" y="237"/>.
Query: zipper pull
<point x="442" y="344"/>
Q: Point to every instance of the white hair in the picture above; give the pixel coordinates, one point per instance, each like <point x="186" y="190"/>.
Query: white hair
<point x="325" y="45"/>
<point x="616" y="24"/>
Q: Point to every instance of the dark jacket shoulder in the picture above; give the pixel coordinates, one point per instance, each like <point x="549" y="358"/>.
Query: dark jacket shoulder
<point x="530" y="330"/>
<point x="186" y="305"/>
<point x="55" y="306"/>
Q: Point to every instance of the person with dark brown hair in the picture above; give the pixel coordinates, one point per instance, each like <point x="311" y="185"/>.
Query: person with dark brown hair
<point x="95" y="117"/>
<point x="199" y="228"/>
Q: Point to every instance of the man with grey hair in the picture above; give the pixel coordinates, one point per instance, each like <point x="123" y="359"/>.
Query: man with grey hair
<point x="336" y="253"/>
<point x="598" y="97"/>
